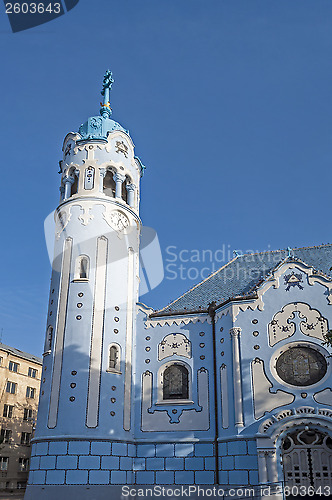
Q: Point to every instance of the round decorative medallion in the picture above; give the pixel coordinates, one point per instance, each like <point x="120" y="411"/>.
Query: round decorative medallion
<point x="301" y="366"/>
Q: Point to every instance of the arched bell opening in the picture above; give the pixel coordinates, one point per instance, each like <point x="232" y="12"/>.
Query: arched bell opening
<point x="124" y="193"/>
<point x="74" y="187"/>
<point x="307" y="462"/>
<point x="109" y="184"/>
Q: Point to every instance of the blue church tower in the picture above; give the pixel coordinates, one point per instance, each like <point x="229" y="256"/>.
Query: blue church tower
<point x="86" y="391"/>
<point x="229" y="385"/>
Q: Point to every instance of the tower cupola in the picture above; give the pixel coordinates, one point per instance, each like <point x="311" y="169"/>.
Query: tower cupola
<point x="99" y="159"/>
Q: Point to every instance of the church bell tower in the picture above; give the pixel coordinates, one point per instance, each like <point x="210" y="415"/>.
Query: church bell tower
<point x="85" y="420"/>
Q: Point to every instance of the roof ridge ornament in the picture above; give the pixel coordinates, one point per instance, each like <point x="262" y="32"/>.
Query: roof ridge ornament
<point x="108" y="81"/>
<point x="290" y="253"/>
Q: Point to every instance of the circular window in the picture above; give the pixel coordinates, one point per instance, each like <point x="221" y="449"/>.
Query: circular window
<point x="301" y="366"/>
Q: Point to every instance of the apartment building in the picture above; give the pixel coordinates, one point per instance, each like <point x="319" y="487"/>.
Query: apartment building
<point x="20" y="375"/>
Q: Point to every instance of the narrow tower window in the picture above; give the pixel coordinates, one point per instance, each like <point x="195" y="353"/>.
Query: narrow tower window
<point x="114" y="358"/>
<point x="82" y="268"/>
<point x="109" y="184"/>
<point x="49" y="338"/>
<point x="124" y="192"/>
<point x="89" y="178"/>
<point x="176" y="382"/>
<point x="74" y="187"/>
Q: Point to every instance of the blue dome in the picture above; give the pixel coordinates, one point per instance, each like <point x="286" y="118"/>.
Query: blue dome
<point x="97" y="127"/>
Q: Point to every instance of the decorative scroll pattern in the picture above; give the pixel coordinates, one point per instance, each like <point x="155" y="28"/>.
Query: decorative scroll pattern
<point x="264" y="399"/>
<point x="174" y="343"/>
<point x="311" y="323"/>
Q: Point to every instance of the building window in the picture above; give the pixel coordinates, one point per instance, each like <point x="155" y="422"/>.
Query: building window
<point x="23" y="464"/>
<point x="5" y="434"/>
<point x="3" y="463"/>
<point x="114" y="358"/>
<point x="109" y="184"/>
<point x="11" y="387"/>
<point x="25" y="438"/>
<point x="89" y="178"/>
<point x="82" y="268"/>
<point x="8" y="411"/>
<point x="301" y="366"/>
<point x="176" y="382"/>
<point x="1" y="360"/>
<point x="30" y="392"/>
<point x="49" y="338"/>
<point x="21" y="485"/>
<point x="32" y="372"/>
<point x="27" y="414"/>
<point x="13" y="367"/>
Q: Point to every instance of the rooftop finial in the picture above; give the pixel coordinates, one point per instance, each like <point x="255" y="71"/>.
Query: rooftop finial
<point x="290" y="252"/>
<point x="106" y="109"/>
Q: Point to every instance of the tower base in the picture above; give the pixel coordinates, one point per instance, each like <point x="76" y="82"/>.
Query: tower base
<point x="171" y="492"/>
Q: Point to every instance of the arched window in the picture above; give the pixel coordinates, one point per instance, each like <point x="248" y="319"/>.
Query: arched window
<point x="82" y="268"/>
<point x="89" y="176"/>
<point x="176" y="382"/>
<point x="74" y="187"/>
<point x="49" y="339"/>
<point x="109" y="184"/>
<point x="114" y="358"/>
<point x="124" y="192"/>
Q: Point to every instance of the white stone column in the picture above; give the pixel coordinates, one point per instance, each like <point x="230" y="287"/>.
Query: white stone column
<point x="131" y="194"/>
<point x="102" y="173"/>
<point x="267" y="466"/>
<point x="272" y="471"/>
<point x="68" y="182"/>
<point x="237" y="383"/>
<point x="262" y="467"/>
<point x="119" y="179"/>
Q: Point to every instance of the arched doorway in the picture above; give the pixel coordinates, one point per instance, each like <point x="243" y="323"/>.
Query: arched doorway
<point x="307" y="462"/>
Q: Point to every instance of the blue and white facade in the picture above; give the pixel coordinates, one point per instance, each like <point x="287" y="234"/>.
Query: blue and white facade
<point x="229" y="384"/>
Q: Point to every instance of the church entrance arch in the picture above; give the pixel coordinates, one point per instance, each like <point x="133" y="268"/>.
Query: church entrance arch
<point x="307" y="461"/>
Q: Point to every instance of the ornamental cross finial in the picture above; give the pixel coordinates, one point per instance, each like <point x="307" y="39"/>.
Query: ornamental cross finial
<point x="105" y="109"/>
<point x="290" y="252"/>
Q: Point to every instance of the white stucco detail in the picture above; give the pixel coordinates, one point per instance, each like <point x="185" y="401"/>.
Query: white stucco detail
<point x="264" y="399"/>
<point x="237" y="381"/>
<point x="174" y="343"/>
<point x="224" y="397"/>
<point x="324" y="397"/>
<point x="97" y="334"/>
<point x="129" y="341"/>
<point x="191" y="418"/>
<point x="177" y="320"/>
<point x="62" y="217"/>
<point x="312" y="324"/>
<point x="60" y="333"/>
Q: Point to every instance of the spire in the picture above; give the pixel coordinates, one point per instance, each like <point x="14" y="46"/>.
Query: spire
<point x="106" y="109"/>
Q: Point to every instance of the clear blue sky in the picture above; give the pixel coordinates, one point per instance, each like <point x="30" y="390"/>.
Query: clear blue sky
<point x="228" y="103"/>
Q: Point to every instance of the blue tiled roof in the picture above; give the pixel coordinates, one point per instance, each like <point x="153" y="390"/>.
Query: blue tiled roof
<point x="241" y="275"/>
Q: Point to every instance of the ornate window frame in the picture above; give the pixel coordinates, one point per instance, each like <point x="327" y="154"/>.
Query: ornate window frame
<point x="117" y="368"/>
<point x="160" y="377"/>
<point x="78" y="269"/>
<point x="48" y="340"/>
<point x="304" y="344"/>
